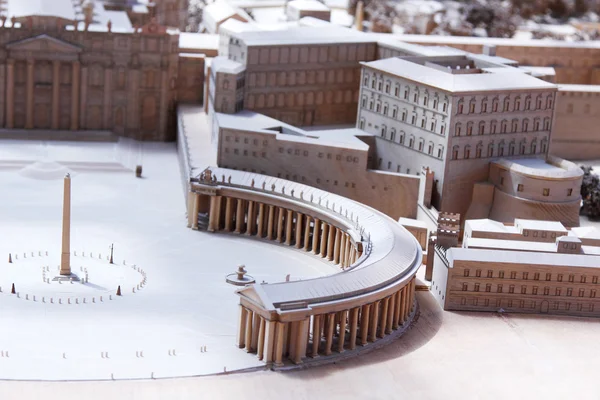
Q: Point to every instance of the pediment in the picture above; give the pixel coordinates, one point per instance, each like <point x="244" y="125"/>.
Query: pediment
<point x="44" y="43"/>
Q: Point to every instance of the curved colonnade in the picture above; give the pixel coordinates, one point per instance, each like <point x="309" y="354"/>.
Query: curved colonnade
<point x="372" y="297"/>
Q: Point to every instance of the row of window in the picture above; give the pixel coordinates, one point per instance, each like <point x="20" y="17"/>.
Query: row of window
<point x="329" y="156"/>
<point x="545" y="192"/>
<point x="523" y="304"/>
<point x="526" y="276"/>
<point x="491" y="128"/>
<point x="421" y="122"/>
<point x="403" y="92"/>
<point x="312" y="54"/>
<point x="293" y="99"/>
<point x="389" y="166"/>
<point x="523" y="290"/>
<point x="541" y="102"/>
<point x="494" y="150"/>
<point x="310" y="77"/>
<point x="586" y="108"/>
<point x="255" y="142"/>
<point x="246" y="153"/>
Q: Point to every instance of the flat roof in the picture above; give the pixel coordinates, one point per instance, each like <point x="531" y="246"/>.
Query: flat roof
<point x="470" y="40"/>
<point x="522" y="257"/>
<point x="305" y="35"/>
<point x="223" y="64"/>
<point x="198" y="41"/>
<point x="552" y="226"/>
<point x="578" y="88"/>
<point x="309" y="5"/>
<point x="536" y="163"/>
<point x="456" y="83"/>
<point x="489" y="225"/>
<point x="55" y="8"/>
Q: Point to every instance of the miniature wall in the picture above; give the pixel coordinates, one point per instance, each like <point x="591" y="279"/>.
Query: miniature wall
<point x="506" y="208"/>
<point x="337" y="169"/>
<point x="439" y="280"/>
<point x="575" y="135"/>
<point x="190" y="79"/>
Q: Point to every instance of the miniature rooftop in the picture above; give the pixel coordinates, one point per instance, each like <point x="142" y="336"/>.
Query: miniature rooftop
<point x="551" y="168"/>
<point x="470" y="40"/>
<point x="433" y="71"/>
<point x="521" y="257"/>
<point x="225" y="65"/>
<point x="305" y="35"/>
<point x="308" y="5"/>
<point x="579" y="88"/>
<point x="196" y="42"/>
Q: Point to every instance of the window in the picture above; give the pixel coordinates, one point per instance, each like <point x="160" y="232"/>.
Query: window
<point x="569" y="192"/>
<point x="511" y="289"/>
<point x="583" y="279"/>
<point x="534" y="290"/>
<point x="559" y="277"/>
<point x="525" y="275"/>
<point x="571" y="277"/>
<point x="548" y="276"/>
<point x="581" y="292"/>
<point x="513" y="275"/>
<point x="472" y="107"/>
<point x="523" y="289"/>
<point x="478" y="273"/>
<point x="519" y="187"/>
<point x="546" y="192"/>
<point x="569" y="292"/>
<point x="465" y="287"/>
<point x="594" y="279"/>
<point x="546" y="291"/>
<point x="477" y="287"/>
<point x="501" y="274"/>
<point x="466" y="272"/>
<point x="488" y="287"/>
<point x="490" y="273"/>
<point x="499" y="289"/>
<point x="557" y="292"/>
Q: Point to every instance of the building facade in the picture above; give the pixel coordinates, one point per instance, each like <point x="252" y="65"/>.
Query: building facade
<point x="528" y="267"/>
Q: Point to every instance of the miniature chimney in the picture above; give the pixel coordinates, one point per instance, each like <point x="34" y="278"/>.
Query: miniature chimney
<point x="448" y="229"/>
<point x="489" y="50"/>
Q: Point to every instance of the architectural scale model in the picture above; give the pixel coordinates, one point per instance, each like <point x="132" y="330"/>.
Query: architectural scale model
<point x="329" y="173"/>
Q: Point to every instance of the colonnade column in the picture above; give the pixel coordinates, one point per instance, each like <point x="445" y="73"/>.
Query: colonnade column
<point x="307" y="233"/>
<point x="316" y="333"/>
<point x="288" y="227"/>
<point x="280" y="224"/>
<point x="329" y="333"/>
<point x="353" y="327"/>
<point x="248" y="338"/>
<point x="336" y="248"/>
<point x="241" y="335"/>
<point x="342" y="331"/>
<point x="316" y="233"/>
<point x="384" y="315"/>
<point x="374" y="321"/>
<point x="279" y="344"/>
<point x="396" y="310"/>
<point x="10" y="93"/>
<point x="364" y="323"/>
<point x="214" y="213"/>
<point x="390" y="317"/>
<point x="298" y="230"/>
<point x="228" y="214"/>
<point x="29" y="95"/>
<point x="239" y="216"/>
<point x="324" y="236"/>
<point x="196" y="211"/>
<point x="300" y="333"/>
<point x="331" y="242"/>
<point x="402" y="305"/>
<point x="269" y="341"/>
<point x="261" y="219"/>
<point x="55" y="94"/>
<point x="270" y="222"/>
<point x="75" y="95"/>
<point x="250" y="218"/>
<point x="260" y="351"/>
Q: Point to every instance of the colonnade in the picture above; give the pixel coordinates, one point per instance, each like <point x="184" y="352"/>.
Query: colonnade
<point x="271" y="222"/>
<point x="325" y="333"/>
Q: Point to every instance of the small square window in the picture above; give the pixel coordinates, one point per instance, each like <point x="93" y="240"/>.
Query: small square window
<point x="519" y="187"/>
<point x="546" y="192"/>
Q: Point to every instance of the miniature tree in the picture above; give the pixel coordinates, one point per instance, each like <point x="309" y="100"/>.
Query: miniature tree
<point x="590" y="193"/>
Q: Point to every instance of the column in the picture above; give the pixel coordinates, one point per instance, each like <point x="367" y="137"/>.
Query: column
<point x="270" y="222"/>
<point x="324" y="236"/>
<point x="343" y="243"/>
<point x="316" y="335"/>
<point x="298" y="230"/>
<point x="329" y="337"/>
<point x="269" y="341"/>
<point x="279" y="344"/>
<point x="83" y="98"/>
<point x="300" y="345"/>
<point x="75" y="96"/>
<point x="353" y="327"/>
<point x="288" y="228"/>
<point x="348" y="252"/>
<point x="336" y="248"/>
<point x="412" y="294"/>
<point x="29" y="95"/>
<point x="255" y="330"/>
<point x="241" y="335"/>
<point x="331" y="242"/>
<point x="307" y="233"/>
<point x="250" y="218"/>
<point x="316" y="233"/>
<point x="374" y="321"/>
<point x="10" y="94"/>
<point x="239" y="216"/>
<point x="396" y="310"/>
<point x="213" y="219"/>
<point x="248" y="338"/>
<point x="390" y="317"/>
<point x="403" y="306"/>
<point x="342" y="332"/>
<point x="228" y="214"/>
<point x="280" y="224"/>
<point x="107" y="107"/>
<point x="384" y="315"/>
<point x="190" y="208"/>
<point x="364" y="323"/>
<point x="196" y="211"/>
<point x="261" y="339"/>
<point x="55" y="94"/>
<point x="261" y="219"/>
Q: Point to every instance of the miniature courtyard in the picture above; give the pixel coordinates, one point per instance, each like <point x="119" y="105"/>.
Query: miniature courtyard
<point x="176" y="314"/>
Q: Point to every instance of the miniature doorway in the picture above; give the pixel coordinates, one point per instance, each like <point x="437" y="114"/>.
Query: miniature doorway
<point x="544" y="307"/>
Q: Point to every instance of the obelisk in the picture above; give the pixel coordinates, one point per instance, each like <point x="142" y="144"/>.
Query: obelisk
<point x="65" y="257"/>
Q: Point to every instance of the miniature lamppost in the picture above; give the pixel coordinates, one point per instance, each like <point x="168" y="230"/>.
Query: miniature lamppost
<point x="112" y="245"/>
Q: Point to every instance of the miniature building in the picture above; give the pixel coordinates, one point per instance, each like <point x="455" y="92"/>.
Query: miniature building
<point x="297" y="9"/>
<point x="455" y="115"/>
<point x="218" y="12"/>
<point x="529" y="267"/>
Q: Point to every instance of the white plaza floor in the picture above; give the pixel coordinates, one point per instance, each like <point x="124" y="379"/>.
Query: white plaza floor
<point x="160" y="329"/>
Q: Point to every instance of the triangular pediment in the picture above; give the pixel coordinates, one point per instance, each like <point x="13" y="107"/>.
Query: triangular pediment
<point x="253" y="293"/>
<point x="44" y="43"/>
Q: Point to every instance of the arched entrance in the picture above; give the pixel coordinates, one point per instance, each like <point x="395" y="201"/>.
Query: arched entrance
<point x="544" y="307"/>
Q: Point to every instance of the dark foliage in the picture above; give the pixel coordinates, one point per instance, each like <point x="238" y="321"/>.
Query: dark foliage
<point x="590" y="193"/>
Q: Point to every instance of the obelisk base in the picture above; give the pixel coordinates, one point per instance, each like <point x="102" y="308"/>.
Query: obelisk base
<point x="66" y="278"/>
<point x="65" y="264"/>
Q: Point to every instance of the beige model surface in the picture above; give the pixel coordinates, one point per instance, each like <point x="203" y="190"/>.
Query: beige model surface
<point x="528" y="267"/>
